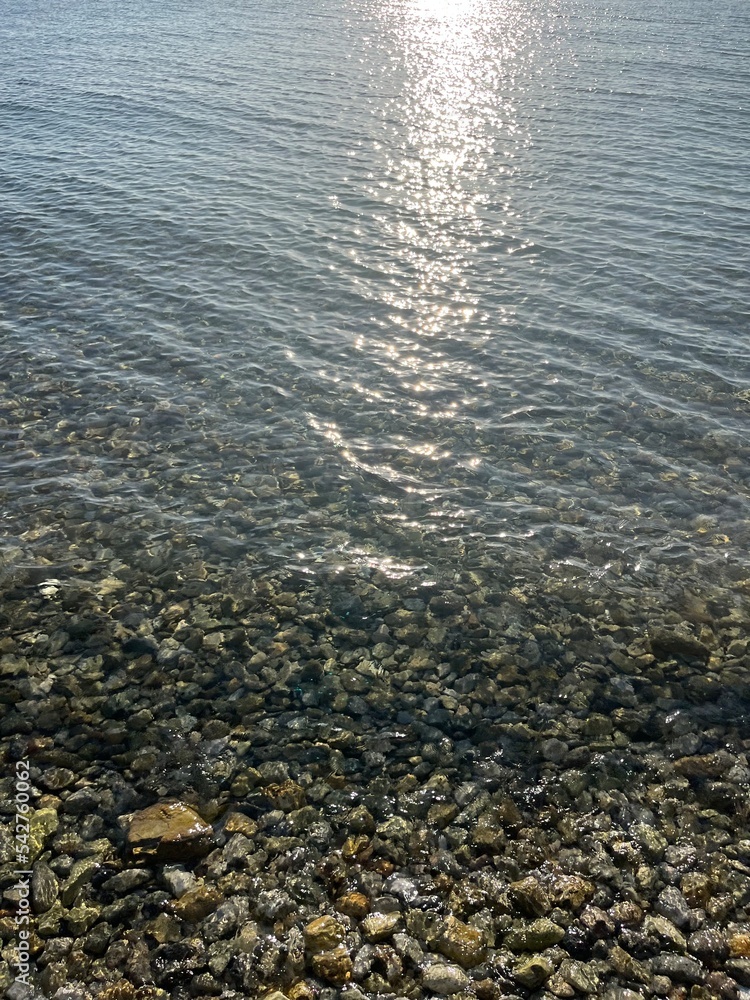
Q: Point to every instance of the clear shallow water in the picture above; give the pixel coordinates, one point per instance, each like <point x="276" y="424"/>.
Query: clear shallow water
<point x="420" y="286"/>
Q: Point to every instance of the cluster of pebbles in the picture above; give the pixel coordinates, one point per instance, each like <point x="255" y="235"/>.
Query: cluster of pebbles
<point x="359" y="787"/>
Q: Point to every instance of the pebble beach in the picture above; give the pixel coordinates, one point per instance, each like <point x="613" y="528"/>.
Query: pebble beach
<point x="375" y="480"/>
<point x="355" y="789"/>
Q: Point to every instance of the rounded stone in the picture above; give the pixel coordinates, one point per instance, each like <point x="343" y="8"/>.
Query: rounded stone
<point x="169" y="830"/>
<point x="445" y="979"/>
<point x="323" y="934"/>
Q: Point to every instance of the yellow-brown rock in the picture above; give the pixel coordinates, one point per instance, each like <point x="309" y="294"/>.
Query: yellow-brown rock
<point x="323" y="934"/>
<point x="697" y="889"/>
<point x="301" y="991"/>
<point x="353" y="904"/>
<point x="739" y="946"/>
<point x="529" y="896"/>
<point x="461" y="943"/>
<point x="286" y="796"/>
<point x="196" y="904"/>
<point x="121" y="990"/>
<point x="169" y="831"/>
<point x="238" y="822"/>
<point x="335" y="966"/>
<point x="572" y="891"/>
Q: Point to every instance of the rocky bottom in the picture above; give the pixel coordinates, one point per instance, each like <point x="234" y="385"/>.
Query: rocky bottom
<point x="362" y="788"/>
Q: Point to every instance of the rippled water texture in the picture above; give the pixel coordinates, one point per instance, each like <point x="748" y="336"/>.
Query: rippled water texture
<point x="424" y="286"/>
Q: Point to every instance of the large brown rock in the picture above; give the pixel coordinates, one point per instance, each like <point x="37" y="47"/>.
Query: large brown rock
<point x="169" y="831"/>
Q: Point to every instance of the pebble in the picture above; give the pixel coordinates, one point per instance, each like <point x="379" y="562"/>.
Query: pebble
<point x="461" y="943"/>
<point x="445" y="980"/>
<point x="169" y="830"/>
<point x="679" y="968"/>
<point x="530" y="897"/>
<point x="533" y="972"/>
<point x="323" y="934"/>
<point x="44" y="887"/>
<point x="536" y="936"/>
<point x="380" y="926"/>
<point x="334" y="965"/>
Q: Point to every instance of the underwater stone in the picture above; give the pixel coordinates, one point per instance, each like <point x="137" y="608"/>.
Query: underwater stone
<point x="169" y="830"/>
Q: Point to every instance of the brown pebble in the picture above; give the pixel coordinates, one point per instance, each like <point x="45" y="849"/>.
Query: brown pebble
<point x="169" y="830"/>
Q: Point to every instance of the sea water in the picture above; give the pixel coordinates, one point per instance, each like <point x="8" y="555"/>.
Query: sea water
<point x="415" y="287"/>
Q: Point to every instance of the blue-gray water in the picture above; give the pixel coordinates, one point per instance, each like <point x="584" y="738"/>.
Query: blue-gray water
<point x="429" y="286"/>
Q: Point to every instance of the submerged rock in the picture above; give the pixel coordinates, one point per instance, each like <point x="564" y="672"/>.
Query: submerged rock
<point x="169" y="830"/>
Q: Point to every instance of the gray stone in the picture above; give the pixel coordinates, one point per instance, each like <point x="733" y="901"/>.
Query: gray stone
<point x="583" y="977"/>
<point x="177" y="880"/>
<point x="80" y="875"/>
<point x="554" y="750"/>
<point x="673" y="905"/>
<point x="739" y="970"/>
<point x="379" y="926"/>
<point x="127" y="881"/>
<point x="536" y="936"/>
<point x="710" y="946"/>
<point x="679" y="968"/>
<point x="44" y="887"/>
<point x="222" y="922"/>
<point x="444" y="979"/>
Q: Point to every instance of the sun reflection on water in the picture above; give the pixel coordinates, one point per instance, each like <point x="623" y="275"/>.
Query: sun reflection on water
<point x="429" y="250"/>
<point x="444" y="169"/>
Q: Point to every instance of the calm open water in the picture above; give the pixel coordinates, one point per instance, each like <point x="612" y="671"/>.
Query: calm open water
<point x="419" y="285"/>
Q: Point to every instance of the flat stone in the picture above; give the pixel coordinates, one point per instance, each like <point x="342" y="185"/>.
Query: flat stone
<point x="169" y="830"/>
<point x="379" y="926"/>
<point x="679" y="968"/>
<point x="126" y="881"/>
<point x="710" y="765"/>
<point x="536" y="936"/>
<point x="353" y="904"/>
<point x="196" y="904"/>
<point x="444" y="979"/>
<point x="739" y="945"/>
<point x="666" y="643"/>
<point x="44" y="887"/>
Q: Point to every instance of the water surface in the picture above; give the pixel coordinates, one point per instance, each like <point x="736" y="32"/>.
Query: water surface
<point x="428" y="287"/>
